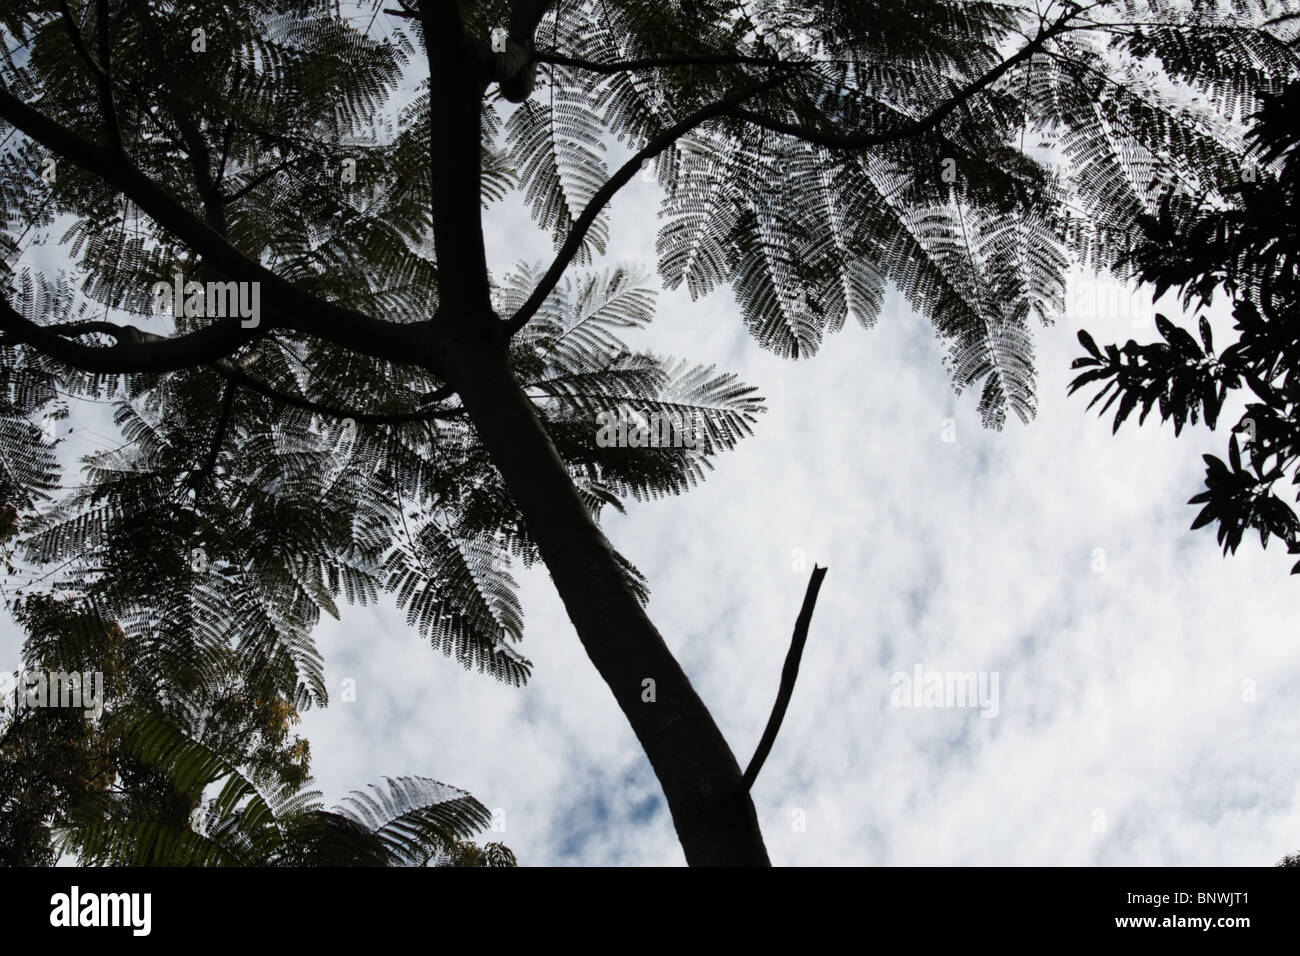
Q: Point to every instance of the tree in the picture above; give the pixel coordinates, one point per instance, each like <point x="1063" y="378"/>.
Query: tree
<point x="1250" y="251"/>
<point x="810" y="153"/>
<point x="123" y="785"/>
<point x="59" y="762"/>
<point x="257" y="820"/>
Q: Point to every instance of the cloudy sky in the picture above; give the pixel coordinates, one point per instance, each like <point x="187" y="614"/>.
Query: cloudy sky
<point x="1147" y="688"/>
<point x="1146" y="708"/>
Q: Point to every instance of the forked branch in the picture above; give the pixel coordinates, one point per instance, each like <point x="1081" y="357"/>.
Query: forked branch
<point x="835" y="140"/>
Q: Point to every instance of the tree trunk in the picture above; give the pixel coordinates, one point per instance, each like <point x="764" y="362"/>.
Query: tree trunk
<point x="707" y="796"/>
<point x="706" y="792"/>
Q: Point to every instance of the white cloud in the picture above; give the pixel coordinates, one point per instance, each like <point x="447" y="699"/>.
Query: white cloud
<point x="1120" y="691"/>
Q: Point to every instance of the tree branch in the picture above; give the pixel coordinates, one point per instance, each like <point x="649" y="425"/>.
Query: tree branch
<point x="235" y="375"/>
<point x="218" y="439"/>
<point x="105" y="77"/>
<point x="833" y="140"/>
<point x="95" y="327"/>
<point x="182" y="111"/>
<point x="135" y="351"/>
<point x="261" y="178"/>
<point x="455" y="96"/>
<point x="289" y="306"/>
<point x="625" y="66"/>
<point x="573" y="242"/>
<point x="78" y="43"/>
<point x="789" y="673"/>
<point x="524" y="17"/>
<point x="99" y="68"/>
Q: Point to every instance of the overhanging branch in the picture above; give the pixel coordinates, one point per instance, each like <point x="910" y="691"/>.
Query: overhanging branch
<point x="134" y="351"/>
<point x="286" y="305"/>
<point x="237" y="376"/>
<point x="834" y="140"/>
<point x="573" y="242"/>
<point x="627" y="66"/>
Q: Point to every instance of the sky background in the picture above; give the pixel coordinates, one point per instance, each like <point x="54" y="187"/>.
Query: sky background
<point x="1147" y="708"/>
<point x="1125" y="732"/>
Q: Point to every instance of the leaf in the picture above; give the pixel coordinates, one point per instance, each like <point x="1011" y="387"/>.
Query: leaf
<point x="1125" y="406"/>
<point x="1205" y="517"/>
<point x="1089" y="376"/>
<point x="1086" y="341"/>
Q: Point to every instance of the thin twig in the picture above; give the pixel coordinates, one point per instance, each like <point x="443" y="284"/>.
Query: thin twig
<point x="788" y="675"/>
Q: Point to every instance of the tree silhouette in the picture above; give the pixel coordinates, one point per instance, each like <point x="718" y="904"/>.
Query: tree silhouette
<point x="61" y="763"/>
<point x="123" y="785"/>
<point x="384" y="422"/>
<point x="254" y="819"/>
<point x="1251" y="252"/>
